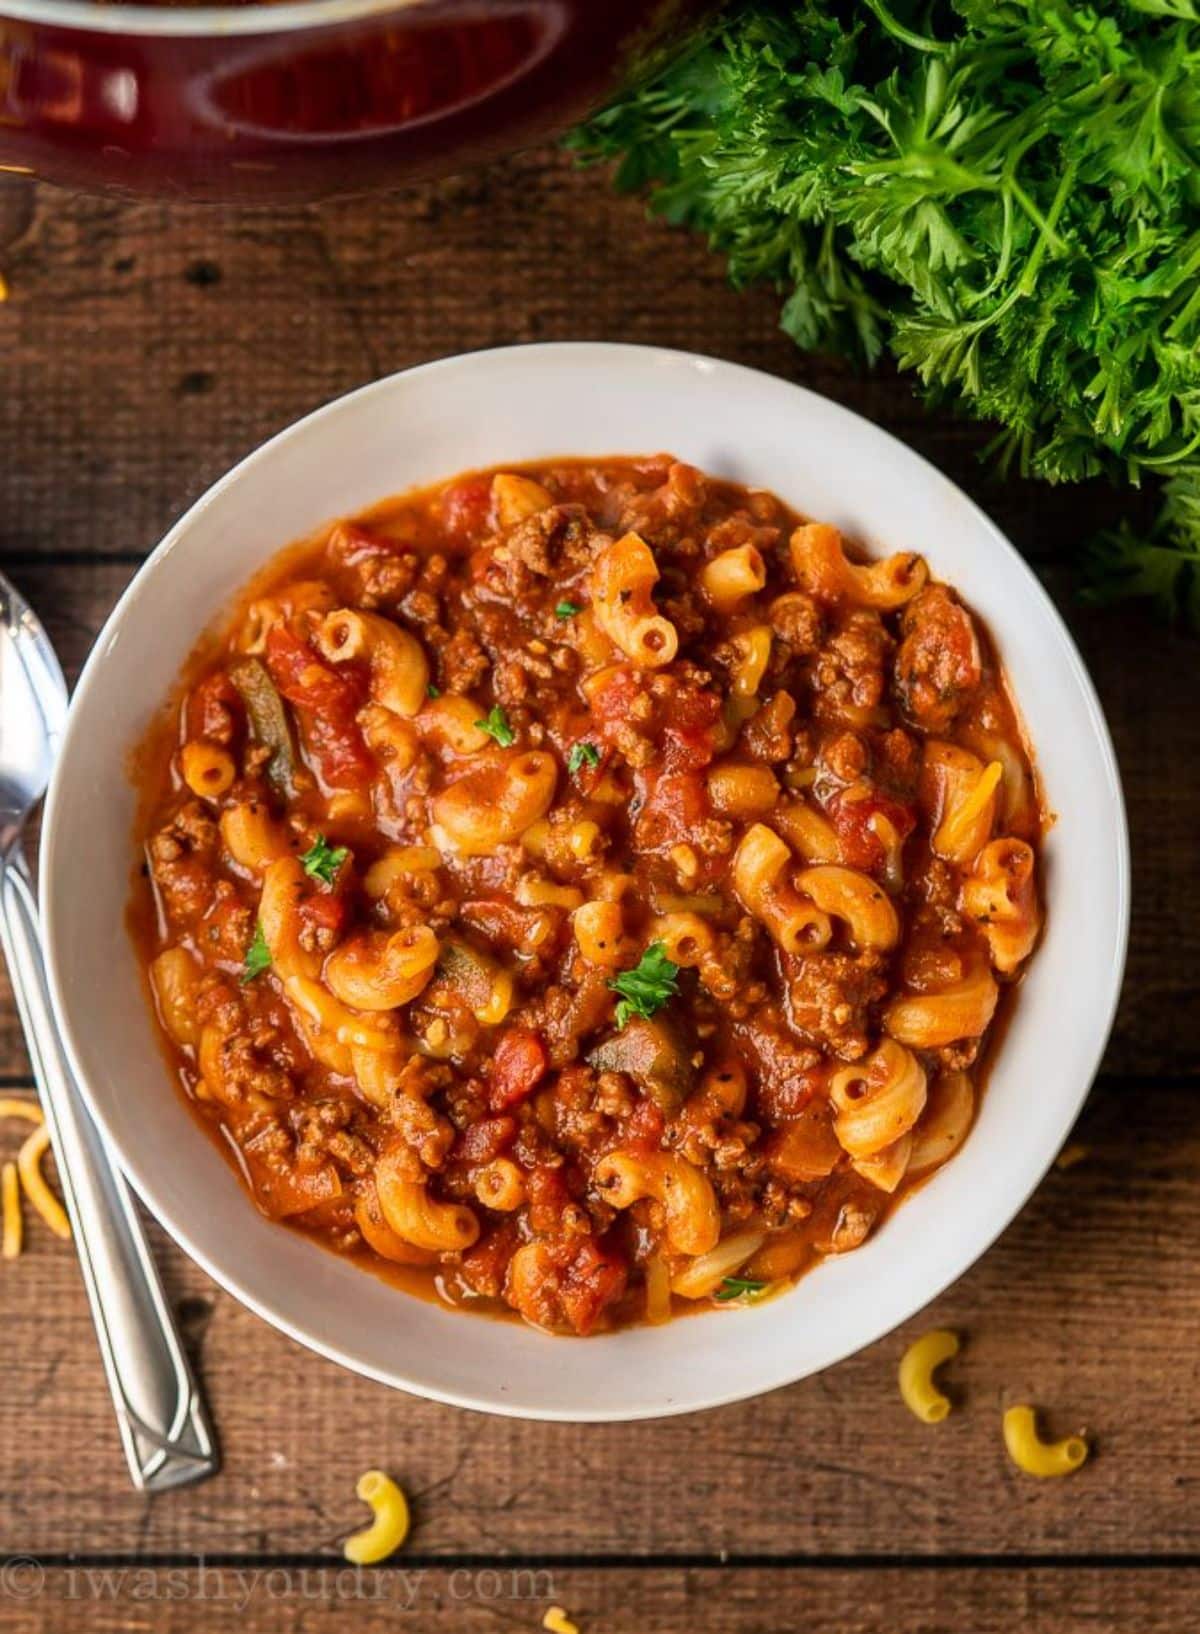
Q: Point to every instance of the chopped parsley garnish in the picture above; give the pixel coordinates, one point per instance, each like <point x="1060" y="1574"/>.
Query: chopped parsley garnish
<point x="567" y="609"/>
<point x="322" y="860"/>
<point x="258" y="956"/>
<point x="433" y="692"/>
<point x="647" y="987"/>
<point x="738" y="1288"/>
<point x="496" y="726"/>
<point x="582" y="754"/>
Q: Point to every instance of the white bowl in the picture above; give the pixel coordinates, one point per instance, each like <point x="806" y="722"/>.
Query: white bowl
<point x="522" y="404"/>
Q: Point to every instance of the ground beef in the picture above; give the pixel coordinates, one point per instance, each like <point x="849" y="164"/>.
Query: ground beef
<point x="767" y="735"/>
<point x="938" y="665"/>
<point x="849" y="672"/>
<point x="831" y="995"/>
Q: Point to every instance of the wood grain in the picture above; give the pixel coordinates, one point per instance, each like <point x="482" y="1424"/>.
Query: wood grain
<point x="296" y="1599"/>
<point x="146" y="349"/>
<point x="1086" y="1307"/>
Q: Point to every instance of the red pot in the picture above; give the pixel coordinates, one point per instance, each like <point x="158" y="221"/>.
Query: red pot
<point x="308" y="98"/>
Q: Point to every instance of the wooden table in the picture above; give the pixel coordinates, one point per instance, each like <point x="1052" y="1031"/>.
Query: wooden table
<point x="144" y="350"/>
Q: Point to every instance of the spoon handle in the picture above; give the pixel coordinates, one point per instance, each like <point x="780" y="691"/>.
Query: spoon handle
<point x="164" y="1426"/>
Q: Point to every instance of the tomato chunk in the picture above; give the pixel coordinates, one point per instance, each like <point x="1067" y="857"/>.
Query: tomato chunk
<point x="467" y="507"/>
<point x="854" y="819"/>
<point x="326" y="701"/>
<point x="594" y="1278"/>
<point x="519" y="1064"/>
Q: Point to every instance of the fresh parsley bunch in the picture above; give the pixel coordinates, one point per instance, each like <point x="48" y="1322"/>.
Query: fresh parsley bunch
<point x="1003" y="194"/>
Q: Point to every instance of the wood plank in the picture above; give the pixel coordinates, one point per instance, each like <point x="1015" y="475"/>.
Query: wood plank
<point x="148" y="347"/>
<point x="1149" y="682"/>
<point x="302" y="1599"/>
<point x="1085" y="1307"/>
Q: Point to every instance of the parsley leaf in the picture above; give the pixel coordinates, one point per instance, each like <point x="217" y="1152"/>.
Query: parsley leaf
<point x="322" y="860"/>
<point x="258" y="956"/>
<point x="738" y="1288"/>
<point x="433" y="692"/>
<point x="647" y="987"/>
<point x="567" y="609"/>
<point x="1000" y="196"/>
<point x="581" y="755"/>
<point x="496" y="726"/>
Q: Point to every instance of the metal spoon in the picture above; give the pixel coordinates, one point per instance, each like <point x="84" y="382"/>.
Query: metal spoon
<point x="164" y="1427"/>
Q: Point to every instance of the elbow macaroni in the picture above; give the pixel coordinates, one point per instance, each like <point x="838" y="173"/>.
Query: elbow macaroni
<point x="496" y="804"/>
<point x="414" y="1215"/>
<point x="1000" y="895"/>
<point x="623" y="575"/>
<point x="927" y="1021"/>
<point x="877" y="1100"/>
<point x="797" y="925"/>
<point x="1035" y="1456"/>
<point x="854" y="898"/>
<point x="733" y="577"/>
<point x="821" y="565"/>
<point x="693" y="1221"/>
<point x="399" y="671"/>
<point x="918" y="1365"/>
<point x="388" y="1529"/>
<point x="378" y="971"/>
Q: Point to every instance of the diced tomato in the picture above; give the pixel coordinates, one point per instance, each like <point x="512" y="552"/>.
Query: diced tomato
<point x="326" y="701"/>
<point x="853" y="818"/>
<point x="690" y="732"/>
<point x="213" y="705"/>
<point x="308" y="681"/>
<point x="281" y="1193"/>
<point x="484" y="1266"/>
<point x="519" y="1064"/>
<point x="593" y="1278"/>
<point x="352" y="543"/>
<point x="612" y="698"/>
<point x="546" y="1190"/>
<point x="327" y="910"/>
<point x="644" y="1126"/>
<point x="674" y="804"/>
<point x="467" y="508"/>
<point x="483" y="1140"/>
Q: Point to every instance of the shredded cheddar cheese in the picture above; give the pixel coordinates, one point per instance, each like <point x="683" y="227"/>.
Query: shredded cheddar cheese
<point x="10" y="1201"/>
<point x="29" y="1163"/>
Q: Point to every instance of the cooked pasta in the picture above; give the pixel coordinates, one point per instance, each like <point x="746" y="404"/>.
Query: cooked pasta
<point x="586" y="890"/>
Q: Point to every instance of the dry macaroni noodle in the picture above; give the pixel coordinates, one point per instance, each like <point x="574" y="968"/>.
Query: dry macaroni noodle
<point x="917" y="1367"/>
<point x="1035" y="1456"/>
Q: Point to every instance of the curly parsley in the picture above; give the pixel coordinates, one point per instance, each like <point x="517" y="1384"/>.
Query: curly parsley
<point x="258" y="957"/>
<point x="567" y="609"/>
<point x="581" y="755"/>
<point x="999" y="193"/>
<point x="647" y="987"/>
<point x="322" y="860"/>
<point x="496" y="726"/>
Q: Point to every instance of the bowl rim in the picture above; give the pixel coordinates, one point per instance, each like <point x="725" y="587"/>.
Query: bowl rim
<point x="203" y="21"/>
<point x="581" y="353"/>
